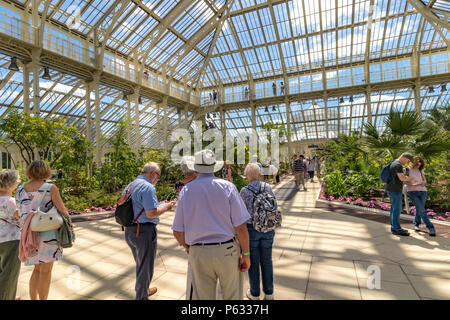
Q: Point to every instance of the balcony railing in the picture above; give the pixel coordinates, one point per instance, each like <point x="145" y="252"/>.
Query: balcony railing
<point x="117" y="66"/>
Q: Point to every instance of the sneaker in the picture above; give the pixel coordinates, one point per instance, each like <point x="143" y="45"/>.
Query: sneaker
<point x="416" y="228"/>
<point x="268" y="297"/>
<point x="400" y="232"/>
<point x="249" y="295"/>
<point x="432" y="232"/>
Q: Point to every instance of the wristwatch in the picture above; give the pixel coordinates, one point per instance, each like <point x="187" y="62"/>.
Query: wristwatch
<point x="246" y="253"/>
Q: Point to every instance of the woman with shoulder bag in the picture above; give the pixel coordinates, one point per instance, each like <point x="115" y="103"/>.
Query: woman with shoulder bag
<point x="34" y="195"/>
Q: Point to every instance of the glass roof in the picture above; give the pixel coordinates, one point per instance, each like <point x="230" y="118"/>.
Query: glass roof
<point x="311" y="46"/>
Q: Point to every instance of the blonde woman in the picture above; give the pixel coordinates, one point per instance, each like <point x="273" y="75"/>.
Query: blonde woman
<point x="9" y="235"/>
<point x="31" y="196"/>
<point x="418" y="194"/>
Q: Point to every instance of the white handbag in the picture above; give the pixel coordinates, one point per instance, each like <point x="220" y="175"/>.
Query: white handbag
<point x="45" y="221"/>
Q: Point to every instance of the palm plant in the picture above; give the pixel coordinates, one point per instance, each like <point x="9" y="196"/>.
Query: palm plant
<point x="405" y="131"/>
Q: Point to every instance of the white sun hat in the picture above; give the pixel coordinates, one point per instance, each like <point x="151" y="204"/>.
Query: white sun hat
<point x="205" y="162"/>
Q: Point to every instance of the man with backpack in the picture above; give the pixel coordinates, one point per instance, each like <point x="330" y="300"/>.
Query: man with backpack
<point x="392" y="174"/>
<point x="141" y="236"/>
<point x="265" y="217"/>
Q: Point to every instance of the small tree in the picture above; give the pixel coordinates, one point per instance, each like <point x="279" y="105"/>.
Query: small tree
<point x="121" y="166"/>
<point x="47" y="139"/>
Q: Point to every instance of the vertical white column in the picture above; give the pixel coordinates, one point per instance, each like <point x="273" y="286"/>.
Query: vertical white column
<point x="97" y="119"/>
<point x="158" y="125"/>
<point x="186" y="120"/>
<point x="369" y="105"/>
<point x="136" y="121"/>
<point x="252" y="106"/>
<point x="166" y="142"/>
<point x="288" y="127"/>
<point x="26" y="88"/>
<point x="88" y="120"/>
<point x="36" y="69"/>
<point x="88" y="112"/>
<point x="129" y="122"/>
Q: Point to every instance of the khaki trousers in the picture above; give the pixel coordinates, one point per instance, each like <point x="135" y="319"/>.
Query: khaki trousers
<point x="212" y="263"/>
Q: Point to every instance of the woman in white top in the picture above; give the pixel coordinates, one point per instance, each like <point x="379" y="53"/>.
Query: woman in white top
<point x="9" y="235"/>
<point x="418" y="194"/>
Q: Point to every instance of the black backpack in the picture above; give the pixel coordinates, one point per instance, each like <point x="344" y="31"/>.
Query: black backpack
<point x="124" y="214"/>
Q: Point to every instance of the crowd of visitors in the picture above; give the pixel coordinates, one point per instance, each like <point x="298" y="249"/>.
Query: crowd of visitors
<point x="224" y="232"/>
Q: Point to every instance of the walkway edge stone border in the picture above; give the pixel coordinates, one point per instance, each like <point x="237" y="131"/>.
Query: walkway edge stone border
<point x="378" y="211"/>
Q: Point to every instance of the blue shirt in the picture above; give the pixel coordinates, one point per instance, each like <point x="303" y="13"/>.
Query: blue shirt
<point x="144" y="196"/>
<point x="208" y="210"/>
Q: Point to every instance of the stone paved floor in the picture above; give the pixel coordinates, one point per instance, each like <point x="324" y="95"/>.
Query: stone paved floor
<point x="317" y="254"/>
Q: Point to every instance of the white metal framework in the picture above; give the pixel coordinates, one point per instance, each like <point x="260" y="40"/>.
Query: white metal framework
<point x="319" y="67"/>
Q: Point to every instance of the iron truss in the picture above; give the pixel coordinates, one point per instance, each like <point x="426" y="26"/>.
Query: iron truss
<point x="342" y="63"/>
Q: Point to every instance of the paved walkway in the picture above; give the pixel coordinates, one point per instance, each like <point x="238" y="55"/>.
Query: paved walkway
<point x="317" y="254"/>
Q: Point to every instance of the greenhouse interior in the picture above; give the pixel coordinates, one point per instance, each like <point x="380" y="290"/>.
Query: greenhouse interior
<point x="98" y="89"/>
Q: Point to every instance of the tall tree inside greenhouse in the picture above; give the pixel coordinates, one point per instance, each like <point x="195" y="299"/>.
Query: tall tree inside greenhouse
<point x="39" y="138"/>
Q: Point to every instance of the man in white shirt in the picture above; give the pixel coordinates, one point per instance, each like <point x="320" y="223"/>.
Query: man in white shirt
<point x="211" y="224"/>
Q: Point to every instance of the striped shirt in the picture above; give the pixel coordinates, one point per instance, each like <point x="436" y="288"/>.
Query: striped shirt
<point x="299" y="165"/>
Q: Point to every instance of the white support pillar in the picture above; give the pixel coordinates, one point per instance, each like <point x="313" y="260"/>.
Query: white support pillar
<point x="415" y="63"/>
<point x="369" y="105"/>
<point x="87" y="87"/>
<point x="158" y="125"/>
<point x="186" y="120"/>
<point x="36" y="69"/>
<point x="288" y="127"/>
<point x="129" y="122"/>
<point x="252" y="106"/>
<point x="88" y="111"/>
<point x="26" y="88"/>
<point x="417" y="100"/>
<point x="166" y="140"/>
<point x="96" y="87"/>
<point x="136" y="119"/>
<point x="223" y="123"/>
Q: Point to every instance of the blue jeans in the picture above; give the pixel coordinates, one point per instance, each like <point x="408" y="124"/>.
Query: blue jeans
<point x="396" y="209"/>
<point x="418" y="198"/>
<point x="260" y="255"/>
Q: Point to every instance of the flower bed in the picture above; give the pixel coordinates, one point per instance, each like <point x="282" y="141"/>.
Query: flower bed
<point x="379" y="205"/>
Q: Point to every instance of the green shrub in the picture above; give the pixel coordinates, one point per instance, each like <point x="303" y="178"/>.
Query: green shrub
<point x="239" y="182"/>
<point x="334" y="184"/>
<point x="360" y="184"/>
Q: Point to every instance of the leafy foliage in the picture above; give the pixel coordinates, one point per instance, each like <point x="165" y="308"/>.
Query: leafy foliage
<point x="353" y="163"/>
<point x="52" y="138"/>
